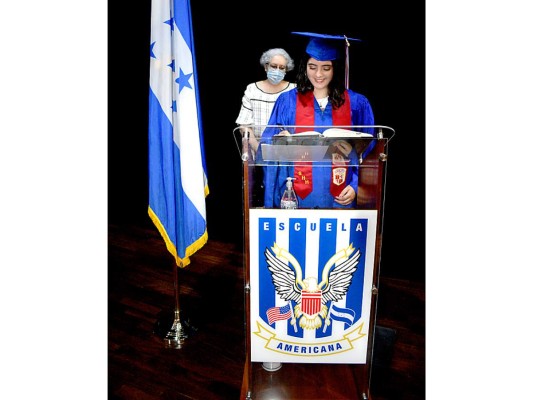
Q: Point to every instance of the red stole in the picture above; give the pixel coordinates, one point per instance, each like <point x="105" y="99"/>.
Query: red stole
<point x="303" y="172"/>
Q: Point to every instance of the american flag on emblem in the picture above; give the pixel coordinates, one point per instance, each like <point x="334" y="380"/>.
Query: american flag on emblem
<point x="278" y="314"/>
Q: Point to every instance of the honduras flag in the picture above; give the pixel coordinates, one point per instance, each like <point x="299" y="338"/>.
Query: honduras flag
<point x="345" y="315"/>
<point x="177" y="173"/>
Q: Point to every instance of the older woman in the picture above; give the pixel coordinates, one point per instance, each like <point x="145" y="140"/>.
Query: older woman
<point x="259" y="97"/>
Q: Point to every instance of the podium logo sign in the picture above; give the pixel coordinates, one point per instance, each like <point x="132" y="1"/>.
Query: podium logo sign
<point x="311" y="284"/>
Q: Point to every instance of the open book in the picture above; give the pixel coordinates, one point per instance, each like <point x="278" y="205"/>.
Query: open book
<point x="314" y="144"/>
<point x="338" y="133"/>
<point x="325" y="138"/>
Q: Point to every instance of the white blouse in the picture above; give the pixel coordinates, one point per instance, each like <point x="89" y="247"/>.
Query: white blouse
<point x="257" y="106"/>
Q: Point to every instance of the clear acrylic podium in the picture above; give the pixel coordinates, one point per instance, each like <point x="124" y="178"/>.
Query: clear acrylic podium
<point x="311" y="274"/>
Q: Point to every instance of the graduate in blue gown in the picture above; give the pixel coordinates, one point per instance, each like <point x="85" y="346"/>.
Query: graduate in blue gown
<point x="320" y="99"/>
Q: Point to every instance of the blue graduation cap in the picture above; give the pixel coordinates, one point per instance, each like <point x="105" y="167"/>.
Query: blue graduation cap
<point x="323" y="47"/>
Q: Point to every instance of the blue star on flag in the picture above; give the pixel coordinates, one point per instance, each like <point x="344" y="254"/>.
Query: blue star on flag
<point x="171" y="23"/>
<point x="172" y="65"/>
<point x="183" y="80"/>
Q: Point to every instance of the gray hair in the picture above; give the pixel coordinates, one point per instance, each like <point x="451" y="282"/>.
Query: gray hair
<point x="269" y="54"/>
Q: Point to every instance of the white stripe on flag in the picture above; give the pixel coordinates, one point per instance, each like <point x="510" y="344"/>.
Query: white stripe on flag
<point x="186" y="131"/>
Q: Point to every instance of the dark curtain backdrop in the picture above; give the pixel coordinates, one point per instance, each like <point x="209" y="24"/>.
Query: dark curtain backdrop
<point x="388" y="67"/>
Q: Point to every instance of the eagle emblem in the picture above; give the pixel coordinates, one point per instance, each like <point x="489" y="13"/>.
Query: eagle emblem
<point x="311" y="297"/>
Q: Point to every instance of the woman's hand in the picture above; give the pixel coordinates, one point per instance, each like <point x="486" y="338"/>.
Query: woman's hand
<point x="248" y="133"/>
<point x="346" y="197"/>
<point x="343" y="146"/>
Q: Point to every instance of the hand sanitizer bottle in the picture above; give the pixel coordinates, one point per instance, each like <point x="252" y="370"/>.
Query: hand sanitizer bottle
<point x="289" y="200"/>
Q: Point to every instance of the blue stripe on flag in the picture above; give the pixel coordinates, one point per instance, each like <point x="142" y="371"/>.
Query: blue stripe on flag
<point x="177" y="177"/>
<point x="267" y="237"/>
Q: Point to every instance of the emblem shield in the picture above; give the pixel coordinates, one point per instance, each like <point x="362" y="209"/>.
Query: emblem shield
<point x="311" y="302"/>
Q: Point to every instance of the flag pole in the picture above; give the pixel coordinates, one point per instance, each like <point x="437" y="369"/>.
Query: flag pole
<point x="176" y="336"/>
<point x="327" y="317"/>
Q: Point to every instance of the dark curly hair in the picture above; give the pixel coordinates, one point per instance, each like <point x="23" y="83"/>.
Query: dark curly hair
<point x="335" y="88"/>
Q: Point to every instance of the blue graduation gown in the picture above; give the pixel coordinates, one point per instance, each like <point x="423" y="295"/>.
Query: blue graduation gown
<point x="284" y="113"/>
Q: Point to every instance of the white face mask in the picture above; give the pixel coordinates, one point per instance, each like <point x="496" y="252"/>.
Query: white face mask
<point x="275" y="76"/>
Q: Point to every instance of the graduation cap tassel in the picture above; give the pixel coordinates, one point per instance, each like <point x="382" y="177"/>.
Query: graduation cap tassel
<point x="347" y="64"/>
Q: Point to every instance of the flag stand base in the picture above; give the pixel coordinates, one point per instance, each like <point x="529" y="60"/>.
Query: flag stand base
<point x="176" y="336"/>
<point x="174" y="329"/>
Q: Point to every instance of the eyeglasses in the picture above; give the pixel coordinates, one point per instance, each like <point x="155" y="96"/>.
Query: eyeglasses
<point x="275" y="66"/>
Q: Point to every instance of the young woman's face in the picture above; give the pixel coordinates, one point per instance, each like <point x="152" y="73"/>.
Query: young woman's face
<point x="320" y="73"/>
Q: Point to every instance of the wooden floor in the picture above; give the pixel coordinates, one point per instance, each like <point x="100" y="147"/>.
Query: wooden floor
<point x="210" y="364"/>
